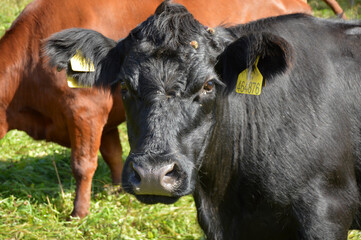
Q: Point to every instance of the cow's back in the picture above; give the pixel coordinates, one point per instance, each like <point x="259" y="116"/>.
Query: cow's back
<point x="242" y="11"/>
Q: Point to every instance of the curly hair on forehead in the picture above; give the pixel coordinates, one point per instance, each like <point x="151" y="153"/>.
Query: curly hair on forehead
<point x="171" y="25"/>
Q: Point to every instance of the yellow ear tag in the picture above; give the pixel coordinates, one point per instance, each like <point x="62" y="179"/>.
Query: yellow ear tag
<point x="73" y="83"/>
<point x="250" y="82"/>
<point x="79" y="64"/>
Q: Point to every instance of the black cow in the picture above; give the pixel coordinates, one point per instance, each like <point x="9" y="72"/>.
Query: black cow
<point x="279" y="162"/>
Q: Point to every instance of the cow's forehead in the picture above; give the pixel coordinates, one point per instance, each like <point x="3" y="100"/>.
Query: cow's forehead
<point x="166" y="71"/>
<point x="169" y="50"/>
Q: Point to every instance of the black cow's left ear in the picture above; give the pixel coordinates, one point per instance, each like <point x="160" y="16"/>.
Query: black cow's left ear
<point x="88" y="57"/>
<point x="269" y="53"/>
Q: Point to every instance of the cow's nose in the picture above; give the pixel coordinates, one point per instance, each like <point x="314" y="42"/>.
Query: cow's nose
<point x="160" y="181"/>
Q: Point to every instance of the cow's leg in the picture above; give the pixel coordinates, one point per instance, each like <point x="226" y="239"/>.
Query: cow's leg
<point x="3" y="132"/>
<point x="84" y="159"/>
<point x="325" y="213"/>
<point x="111" y="151"/>
<point x="3" y="124"/>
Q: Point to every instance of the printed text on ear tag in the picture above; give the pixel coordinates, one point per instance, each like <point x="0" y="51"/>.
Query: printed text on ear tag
<point x="250" y="82"/>
<point x="79" y="64"/>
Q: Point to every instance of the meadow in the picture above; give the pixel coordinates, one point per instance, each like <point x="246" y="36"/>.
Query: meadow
<point x="37" y="187"/>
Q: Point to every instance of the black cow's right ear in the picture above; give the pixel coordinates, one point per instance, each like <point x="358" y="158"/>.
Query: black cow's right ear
<point x="269" y="53"/>
<point x="85" y="54"/>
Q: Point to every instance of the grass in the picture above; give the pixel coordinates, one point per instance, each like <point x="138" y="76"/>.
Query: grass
<point x="352" y="8"/>
<point x="9" y="10"/>
<point x="33" y="206"/>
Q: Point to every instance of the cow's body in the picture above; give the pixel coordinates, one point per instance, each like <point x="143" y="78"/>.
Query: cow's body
<point x="37" y="100"/>
<point x="295" y="149"/>
<point x="285" y="164"/>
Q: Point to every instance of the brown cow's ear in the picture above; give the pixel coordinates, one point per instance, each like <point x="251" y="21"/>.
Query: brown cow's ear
<point x="262" y="55"/>
<point x="83" y="53"/>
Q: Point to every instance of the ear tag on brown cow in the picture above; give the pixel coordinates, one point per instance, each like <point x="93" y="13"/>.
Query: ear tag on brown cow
<point x="79" y="63"/>
<point x="73" y="83"/>
<point x="250" y="82"/>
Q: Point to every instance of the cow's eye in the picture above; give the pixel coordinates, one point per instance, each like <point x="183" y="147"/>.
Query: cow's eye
<point x="123" y="86"/>
<point x="208" y="86"/>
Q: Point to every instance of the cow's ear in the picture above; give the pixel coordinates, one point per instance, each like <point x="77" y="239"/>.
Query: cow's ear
<point x="271" y="54"/>
<point x="85" y="54"/>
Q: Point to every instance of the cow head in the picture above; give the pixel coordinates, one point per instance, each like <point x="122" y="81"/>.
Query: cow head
<point x="171" y="70"/>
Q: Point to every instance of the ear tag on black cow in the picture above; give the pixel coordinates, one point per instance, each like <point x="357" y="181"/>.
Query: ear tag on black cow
<point x="250" y="82"/>
<point x="78" y="63"/>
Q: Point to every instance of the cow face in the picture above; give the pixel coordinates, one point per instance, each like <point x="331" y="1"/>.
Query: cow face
<point x="171" y="91"/>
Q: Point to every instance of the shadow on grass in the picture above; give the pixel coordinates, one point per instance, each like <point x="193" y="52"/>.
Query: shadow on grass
<point x="35" y="178"/>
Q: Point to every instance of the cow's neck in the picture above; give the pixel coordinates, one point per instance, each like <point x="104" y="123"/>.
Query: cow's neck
<point x="223" y="184"/>
<point x="14" y="48"/>
<point x="221" y="153"/>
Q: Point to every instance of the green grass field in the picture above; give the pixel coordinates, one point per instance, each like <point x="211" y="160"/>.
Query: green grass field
<point x="34" y="205"/>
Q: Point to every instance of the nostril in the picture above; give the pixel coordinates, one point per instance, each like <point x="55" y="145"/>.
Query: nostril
<point x="171" y="177"/>
<point x="173" y="171"/>
<point x="136" y="178"/>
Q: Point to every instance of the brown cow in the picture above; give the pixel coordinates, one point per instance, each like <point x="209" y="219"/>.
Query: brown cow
<point x="36" y="99"/>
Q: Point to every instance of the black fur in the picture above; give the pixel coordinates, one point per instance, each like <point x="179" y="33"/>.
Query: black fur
<point x="95" y="48"/>
<point x="282" y="165"/>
